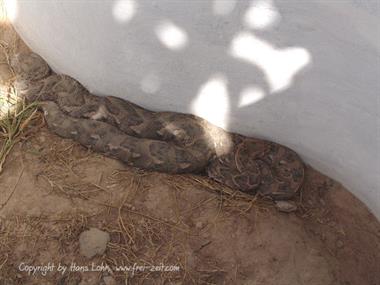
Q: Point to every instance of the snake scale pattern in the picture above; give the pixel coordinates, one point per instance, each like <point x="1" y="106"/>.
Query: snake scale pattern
<point x="159" y="141"/>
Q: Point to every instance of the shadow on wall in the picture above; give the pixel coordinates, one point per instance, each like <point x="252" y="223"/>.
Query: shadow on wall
<point x="231" y="67"/>
<point x="218" y="59"/>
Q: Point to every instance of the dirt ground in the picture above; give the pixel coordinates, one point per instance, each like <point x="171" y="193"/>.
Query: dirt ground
<point x="52" y="189"/>
<point x="187" y="229"/>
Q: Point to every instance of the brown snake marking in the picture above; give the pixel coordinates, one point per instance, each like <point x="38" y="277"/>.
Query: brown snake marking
<point x="161" y="141"/>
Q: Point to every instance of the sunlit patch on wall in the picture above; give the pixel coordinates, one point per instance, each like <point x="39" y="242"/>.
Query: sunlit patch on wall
<point x="171" y="36"/>
<point x="123" y="10"/>
<point x="212" y="102"/>
<point x="151" y="83"/>
<point x="250" y="95"/>
<point x="8" y="10"/>
<point x="278" y="65"/>
<point x="223" y="7"/>
<point x="3" y="12"/>
<point x="262" y="14"/>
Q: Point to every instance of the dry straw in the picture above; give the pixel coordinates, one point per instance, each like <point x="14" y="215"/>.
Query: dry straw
<point x="15" y="113"/>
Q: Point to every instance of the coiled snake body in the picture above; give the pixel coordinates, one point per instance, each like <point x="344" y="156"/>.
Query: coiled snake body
<point x="161" y="141"/>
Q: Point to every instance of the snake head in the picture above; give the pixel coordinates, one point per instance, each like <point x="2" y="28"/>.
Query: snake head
<point x="29" y="66"/>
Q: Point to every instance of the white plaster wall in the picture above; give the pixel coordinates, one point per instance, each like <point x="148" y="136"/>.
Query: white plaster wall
<point x="302" y="73"/>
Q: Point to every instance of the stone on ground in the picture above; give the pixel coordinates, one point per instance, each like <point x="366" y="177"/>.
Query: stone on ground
<point x="93" y="242"/>
<point x="286" y="206"/>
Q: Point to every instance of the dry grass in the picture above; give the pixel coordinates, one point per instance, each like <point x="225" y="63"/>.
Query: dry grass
<point x="62" y="163"/>
<point x="143" y="240"/>
<point x="15" y="114"/>
<point x="229" y="200"/>
<point x="137" y="236"/>
<point x="13" y="125"/>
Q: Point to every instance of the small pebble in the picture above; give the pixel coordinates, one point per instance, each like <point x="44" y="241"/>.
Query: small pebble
<point x="286" y="206"/>
<point x="93" y="242"/>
